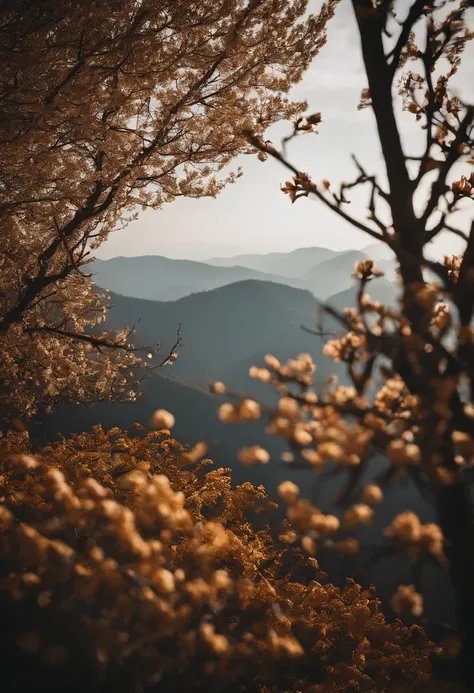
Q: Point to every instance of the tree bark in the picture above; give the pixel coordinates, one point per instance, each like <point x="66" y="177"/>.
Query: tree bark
<point x="455" y="516"/>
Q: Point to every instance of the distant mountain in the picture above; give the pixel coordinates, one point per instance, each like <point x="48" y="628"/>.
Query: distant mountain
<point x="163" y="279"/>
<point x="225" y="332"/>
<point x="334" y="275"/>
<point x="235" y="325"/>
<point x="379" y="290"/>
<point x="293" y="264"/>
<point x="321" y="271"/>
<point x="379" y="251"/>
<point x="183" y="250"/>
<point x="221" y="327"/>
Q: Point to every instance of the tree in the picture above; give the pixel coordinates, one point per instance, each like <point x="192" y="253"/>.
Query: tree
<point x="106" y="108"/>
<point x="411" y="368"/>
<point x="127" y="565"/>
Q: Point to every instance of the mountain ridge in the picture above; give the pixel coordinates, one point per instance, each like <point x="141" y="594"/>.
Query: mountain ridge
<point x="158" y="278"/>
<point x="153" y="277"/>
<point x="279" y="261"/>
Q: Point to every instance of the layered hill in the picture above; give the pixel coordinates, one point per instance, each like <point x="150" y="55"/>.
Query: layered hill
<point x="222" y="327"/>
<point x="224" y="333"/>
<point x="292" y="264"/>
<point x="164" y="279"/>
<point x="380" y="290"/>
<point x="321" y="271"/>
<point x="333" y="276"/>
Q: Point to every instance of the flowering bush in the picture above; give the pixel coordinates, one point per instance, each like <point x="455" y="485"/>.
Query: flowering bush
<point x="126" y="567"/>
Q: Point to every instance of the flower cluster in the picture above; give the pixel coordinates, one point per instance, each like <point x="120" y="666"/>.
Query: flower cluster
<point x="246" y="410"/>
<point x="407" y="601"/>
<point x="406" y="529"/>
<point x="366" y="270"/>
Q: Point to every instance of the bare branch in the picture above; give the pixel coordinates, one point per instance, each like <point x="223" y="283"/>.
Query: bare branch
<point x="414" y="14"/>
<point x="310" y="188"/>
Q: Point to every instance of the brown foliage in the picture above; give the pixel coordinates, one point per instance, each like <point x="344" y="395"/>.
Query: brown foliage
<point x="106" y="108"/>
<point x="123" y="571"/>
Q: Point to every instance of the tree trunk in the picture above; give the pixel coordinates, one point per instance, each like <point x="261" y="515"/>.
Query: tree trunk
<point x="455" y="514"/>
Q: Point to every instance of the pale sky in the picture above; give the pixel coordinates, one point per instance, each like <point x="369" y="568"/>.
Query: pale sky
<point x="252" y="215"/>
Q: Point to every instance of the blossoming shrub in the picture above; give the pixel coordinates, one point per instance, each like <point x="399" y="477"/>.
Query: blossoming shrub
<point x="125" y="567"/>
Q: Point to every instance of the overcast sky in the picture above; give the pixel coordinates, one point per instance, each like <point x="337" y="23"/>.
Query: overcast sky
<point x="253" y="215"/>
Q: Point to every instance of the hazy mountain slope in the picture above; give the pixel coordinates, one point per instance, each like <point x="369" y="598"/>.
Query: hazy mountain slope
<point x="227" y="330"/>
<point x="163" y="279"/>
<point x="333" y="275"/>
<point x="379" y="251"/>
<point x="222" y="326"/>
<point x="321" y="271"/>
<point x="292" y="264"/>
<point x="379" y="290"/>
